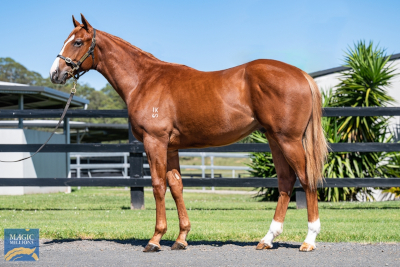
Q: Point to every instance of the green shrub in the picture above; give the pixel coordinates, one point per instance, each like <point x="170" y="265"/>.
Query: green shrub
<point x="263" y="166"/>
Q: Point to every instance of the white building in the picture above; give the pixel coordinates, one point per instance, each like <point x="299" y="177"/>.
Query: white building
<point x="43" y="165"/>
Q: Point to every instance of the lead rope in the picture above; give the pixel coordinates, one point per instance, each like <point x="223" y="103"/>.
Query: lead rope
<point x="73" y="91"/>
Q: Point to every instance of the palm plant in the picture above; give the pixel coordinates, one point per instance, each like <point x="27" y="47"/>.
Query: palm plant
<point x="393" y="190"/>
<point x="361" y="86"/>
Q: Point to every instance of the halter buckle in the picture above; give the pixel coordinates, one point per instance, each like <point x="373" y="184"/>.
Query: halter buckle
<point x="68" y="60"/>
<point x="73" y="90"/>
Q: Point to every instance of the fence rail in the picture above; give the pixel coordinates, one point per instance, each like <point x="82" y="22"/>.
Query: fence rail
<point x="195" y="182"/>
<point x="136" y="149"/>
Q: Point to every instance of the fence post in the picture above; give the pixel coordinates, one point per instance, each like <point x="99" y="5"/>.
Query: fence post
<point x="212" y="170"/>
<point x="21" y="107"/>
<point x="301" y="201"/>
<point x="136" y="171"/>
<point x="203" y="168"/>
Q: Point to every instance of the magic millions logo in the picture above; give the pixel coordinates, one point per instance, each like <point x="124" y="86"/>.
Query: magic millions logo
<point x="21" y="244"/>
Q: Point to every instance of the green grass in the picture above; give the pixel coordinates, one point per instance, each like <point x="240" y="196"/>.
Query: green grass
<point x="96" y="213"/>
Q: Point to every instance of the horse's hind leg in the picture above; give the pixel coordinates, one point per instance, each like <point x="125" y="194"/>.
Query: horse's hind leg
<point x="176" y="187"/>
<point x="286" y="180"/>
<point x="295" y="155"/>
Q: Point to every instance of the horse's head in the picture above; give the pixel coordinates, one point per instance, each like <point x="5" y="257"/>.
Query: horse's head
<point x="77" y="55"/>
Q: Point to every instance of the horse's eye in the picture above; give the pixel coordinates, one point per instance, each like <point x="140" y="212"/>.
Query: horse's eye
<point x="78" y="43"/>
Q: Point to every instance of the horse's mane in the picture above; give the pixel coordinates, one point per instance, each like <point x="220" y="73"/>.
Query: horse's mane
<point x="129" y="44"/>
<point x="136" y="48"/>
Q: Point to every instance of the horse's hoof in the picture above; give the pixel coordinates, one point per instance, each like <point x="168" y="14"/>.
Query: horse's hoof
<point x="263" y="245"/>
<point x="307" y="247"/>
<point x="178" y="246"/>
<point x="151" y="248"/>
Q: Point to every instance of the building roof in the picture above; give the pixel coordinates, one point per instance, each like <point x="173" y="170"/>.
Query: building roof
<point x="340" y="69"/>
<point x="12" y="84"/>
<point x="35" y="97"/>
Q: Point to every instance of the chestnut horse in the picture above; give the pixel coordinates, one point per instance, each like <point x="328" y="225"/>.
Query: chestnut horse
<point x="172" y="107"/>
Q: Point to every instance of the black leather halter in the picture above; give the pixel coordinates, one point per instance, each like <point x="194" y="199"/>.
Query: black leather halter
<point x="76" y="66"/>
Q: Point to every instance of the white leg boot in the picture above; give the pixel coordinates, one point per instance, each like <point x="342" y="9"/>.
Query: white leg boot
<point x="313" y="230"/>
<point x="275" y="229"/>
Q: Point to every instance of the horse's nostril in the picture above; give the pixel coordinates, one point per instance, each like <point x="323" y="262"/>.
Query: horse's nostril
<point x="54" y="76"/>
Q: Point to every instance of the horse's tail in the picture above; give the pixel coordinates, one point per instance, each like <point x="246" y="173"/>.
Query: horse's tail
<point x="314" y="141"/>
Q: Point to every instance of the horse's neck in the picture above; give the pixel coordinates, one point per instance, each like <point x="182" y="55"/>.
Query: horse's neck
<point x="122" y="64"/>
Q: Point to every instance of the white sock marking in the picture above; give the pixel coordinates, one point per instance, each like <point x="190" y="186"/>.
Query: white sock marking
<point x="56" y="62"/>
<point x="313" y="231"/>
<point x="275" y="229"/>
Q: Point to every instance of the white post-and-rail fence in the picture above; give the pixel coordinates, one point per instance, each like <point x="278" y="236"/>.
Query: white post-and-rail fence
<point x="79" y="166"/>
<point x="124" y="167"/>
<point x="135" y="149"/>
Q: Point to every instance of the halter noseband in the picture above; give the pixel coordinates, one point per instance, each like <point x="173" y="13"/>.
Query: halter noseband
<point x="76" y="66"/>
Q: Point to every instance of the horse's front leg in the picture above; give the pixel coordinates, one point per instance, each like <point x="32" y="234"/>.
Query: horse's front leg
<point x="175" y="184"/>
<point x="156" y="150"/>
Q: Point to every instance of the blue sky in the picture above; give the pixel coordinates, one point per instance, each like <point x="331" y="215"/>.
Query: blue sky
<point x="206" y="35"/>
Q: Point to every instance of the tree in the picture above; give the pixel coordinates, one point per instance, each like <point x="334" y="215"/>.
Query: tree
<point x="114" y="101"/>
<point x="106" y="98"/>
<point x="12" y="71"/>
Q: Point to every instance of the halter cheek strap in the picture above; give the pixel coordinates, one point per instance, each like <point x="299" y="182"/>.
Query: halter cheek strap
<point x="76" y="66"/>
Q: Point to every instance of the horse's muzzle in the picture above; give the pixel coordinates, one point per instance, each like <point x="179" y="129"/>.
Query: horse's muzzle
<point x="59" y="78"/>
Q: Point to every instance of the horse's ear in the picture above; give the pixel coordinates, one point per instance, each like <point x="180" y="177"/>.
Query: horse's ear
<point x="76" y="23"/>
<point x="86" y="24"/>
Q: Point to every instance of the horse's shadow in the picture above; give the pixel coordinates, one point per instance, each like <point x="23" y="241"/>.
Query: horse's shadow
<point x="167" y="243"/>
